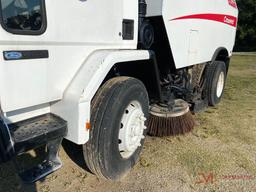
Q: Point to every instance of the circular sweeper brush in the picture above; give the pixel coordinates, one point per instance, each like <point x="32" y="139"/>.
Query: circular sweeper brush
<point x="169" y="122"/>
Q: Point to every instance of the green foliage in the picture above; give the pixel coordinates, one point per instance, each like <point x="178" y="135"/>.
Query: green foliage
<point x="246" y="35"/>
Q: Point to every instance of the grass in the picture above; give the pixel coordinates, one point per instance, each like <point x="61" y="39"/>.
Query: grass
<point x="198" y="160"/>
<point x="233" y="122"/>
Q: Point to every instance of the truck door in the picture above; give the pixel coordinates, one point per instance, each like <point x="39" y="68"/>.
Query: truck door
<point x="24" y="58"/>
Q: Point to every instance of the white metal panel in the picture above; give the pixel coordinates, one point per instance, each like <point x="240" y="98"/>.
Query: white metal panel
<point x="154" y="7"/>
<point x="194" y="41"/>
<point x="130" y="11"/>
<point x="193" y="50"/>
<point x="23" y="114"/>
<point x="210" y="35"/>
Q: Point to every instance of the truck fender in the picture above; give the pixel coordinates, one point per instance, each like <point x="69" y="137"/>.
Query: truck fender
<point x="76" y="102"/>
<point x="220" y="50"/>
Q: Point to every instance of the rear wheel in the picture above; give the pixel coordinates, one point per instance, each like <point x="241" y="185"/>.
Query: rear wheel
<point x="216" y="82"/>
<point x="119" y="112"/>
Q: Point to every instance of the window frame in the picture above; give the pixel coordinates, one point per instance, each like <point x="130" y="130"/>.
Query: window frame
<point x="27" y="32"/>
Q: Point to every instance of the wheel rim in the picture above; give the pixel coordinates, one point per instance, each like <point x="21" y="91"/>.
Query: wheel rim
<point x="220" y="84"/>
<point x="132" y="127"/>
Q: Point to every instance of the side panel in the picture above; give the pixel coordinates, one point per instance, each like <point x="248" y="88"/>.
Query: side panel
<point x="197" y="28"/>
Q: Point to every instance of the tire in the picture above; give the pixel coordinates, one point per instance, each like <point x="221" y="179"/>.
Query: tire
<point x="109" y="107"/>
<point x="216" y="75"/>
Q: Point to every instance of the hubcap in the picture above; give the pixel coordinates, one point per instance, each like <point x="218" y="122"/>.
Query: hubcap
<point x="220" y="84"/>
<point x="131" y="129"/>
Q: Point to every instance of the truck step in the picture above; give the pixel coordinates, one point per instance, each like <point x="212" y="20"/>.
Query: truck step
<point x="50" y="164"/>
<point x="40" y="171"/>
<point x="37" y="131"/>
<point x="30" y="134"/>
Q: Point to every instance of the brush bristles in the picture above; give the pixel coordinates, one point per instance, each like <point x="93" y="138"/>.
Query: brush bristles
<point x="161" y="126"/>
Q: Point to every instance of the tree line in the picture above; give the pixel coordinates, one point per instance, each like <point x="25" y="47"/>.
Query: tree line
<point x="246" y="33"/>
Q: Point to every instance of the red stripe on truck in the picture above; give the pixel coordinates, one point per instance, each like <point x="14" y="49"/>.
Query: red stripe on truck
<point x="232" y="3"/>
<point x="226" y="19"/>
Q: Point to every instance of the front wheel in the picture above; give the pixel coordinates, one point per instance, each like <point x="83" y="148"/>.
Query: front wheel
<point x="119" y="112"/>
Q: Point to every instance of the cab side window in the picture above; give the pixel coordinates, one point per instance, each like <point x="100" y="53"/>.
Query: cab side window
<point x="25" y="17"/>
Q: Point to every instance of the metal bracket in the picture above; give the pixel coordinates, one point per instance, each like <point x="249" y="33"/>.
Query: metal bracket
<point x="50" y="164"/>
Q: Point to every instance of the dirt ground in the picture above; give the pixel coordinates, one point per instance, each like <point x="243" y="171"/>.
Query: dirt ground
<point x="219" y="155"/>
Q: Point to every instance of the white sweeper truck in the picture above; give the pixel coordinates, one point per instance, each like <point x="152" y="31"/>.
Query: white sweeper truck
<point x="105" y="73"/>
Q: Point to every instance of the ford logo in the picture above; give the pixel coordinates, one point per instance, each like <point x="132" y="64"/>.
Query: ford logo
<point x="12" y="55"/>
